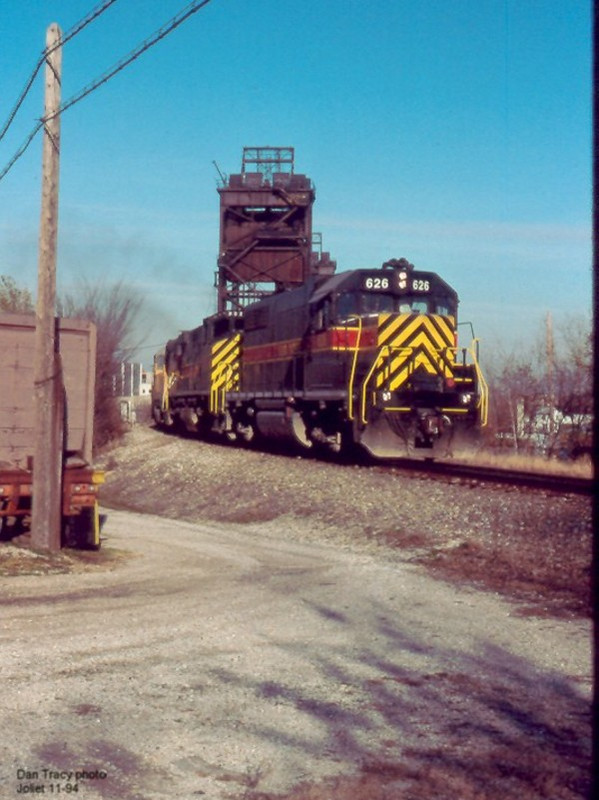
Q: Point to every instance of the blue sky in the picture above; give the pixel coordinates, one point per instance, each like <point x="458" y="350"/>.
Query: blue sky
<point x="456" y="133"/>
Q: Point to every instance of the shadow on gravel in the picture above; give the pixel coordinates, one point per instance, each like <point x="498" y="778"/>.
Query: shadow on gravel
<point x="413" y="719"/>
<point x="476" y="727"/>
<point x="110" y="769"/>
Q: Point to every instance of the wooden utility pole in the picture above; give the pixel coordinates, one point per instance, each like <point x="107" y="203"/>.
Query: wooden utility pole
<point x="49" y="409"/>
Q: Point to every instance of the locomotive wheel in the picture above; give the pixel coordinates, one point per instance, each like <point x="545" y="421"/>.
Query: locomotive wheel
<point x="245" y="433"/>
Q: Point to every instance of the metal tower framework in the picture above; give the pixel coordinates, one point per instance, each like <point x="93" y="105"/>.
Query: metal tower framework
<point x="265" y="230"/>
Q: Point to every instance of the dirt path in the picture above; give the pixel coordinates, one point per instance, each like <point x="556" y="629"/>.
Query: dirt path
<point x="224" y="660"/>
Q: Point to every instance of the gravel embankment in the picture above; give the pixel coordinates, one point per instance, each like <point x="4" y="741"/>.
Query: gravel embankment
<point x="265" y="630"/>
<point x="534" y="547"/>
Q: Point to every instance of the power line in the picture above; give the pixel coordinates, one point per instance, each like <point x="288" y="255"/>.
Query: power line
<point x="21" y="150"/>
<point x="170" y="26"/>
<point x="77" y="28"/>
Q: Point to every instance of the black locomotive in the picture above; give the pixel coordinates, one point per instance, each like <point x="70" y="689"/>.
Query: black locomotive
<point x="366" y="358"/>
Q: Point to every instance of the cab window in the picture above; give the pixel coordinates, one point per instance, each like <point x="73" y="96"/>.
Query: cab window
<point x="377" y="303"/>
<point x="322" y="316"/>
<point x="409" y="305"/>
<point x="348" y="305"/>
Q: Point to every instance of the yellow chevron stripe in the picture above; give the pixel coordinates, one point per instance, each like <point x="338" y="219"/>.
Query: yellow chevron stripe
<point x="423" y="340"/>
<point x="219" y="349"/>
<point x="444" y="336"/>
<point x="427" y="326"/>
<point x="385" y="335"/>
<point x="225" y="360"/>
<point x="429" y="338"/>
<point x="399" y="339"/>
<point x="422" y="359"/>
<point x="448" y="328"/>
<point x="408" y="331"/>
<point x="224" y="370"/>
<point x="400" y="379"/>
<point x="431" y="356"/>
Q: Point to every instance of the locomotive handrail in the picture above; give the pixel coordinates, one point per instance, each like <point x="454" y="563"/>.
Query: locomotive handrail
<point x="167" y="383"/>
<point x="218" y="393"/>
<point x="369" y="375"/>
<point x="385" y="351"/>
<point x="228" y="378"/>
<point x="214" y="391"/>
<point x="483" y="403"/>
<point x="352" y="374"/>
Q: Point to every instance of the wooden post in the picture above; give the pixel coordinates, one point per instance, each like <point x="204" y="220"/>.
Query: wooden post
<point x="47" y="459"/>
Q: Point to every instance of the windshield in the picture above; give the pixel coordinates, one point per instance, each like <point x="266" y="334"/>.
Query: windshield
<point x="362" y="304"/>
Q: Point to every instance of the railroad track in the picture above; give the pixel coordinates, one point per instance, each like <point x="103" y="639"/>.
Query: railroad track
<point x="444" y="469"/>
<point x="473" y="472"/>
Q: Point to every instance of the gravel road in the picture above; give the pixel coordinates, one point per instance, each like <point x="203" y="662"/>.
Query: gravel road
<point x="534" y="547"/>
<point x="224" y="659"/>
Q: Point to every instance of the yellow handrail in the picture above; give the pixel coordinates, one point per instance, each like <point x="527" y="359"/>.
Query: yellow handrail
<point x="384" y="351"/>
<point x="214" y="381"/>
<point x="484" y="388"/>
<point x="167" y="383"/>
<point x="221" y="382"/>
<point x="228" y="379"/>
<point x="352" y="375"/>
<point x="368" y="377"/>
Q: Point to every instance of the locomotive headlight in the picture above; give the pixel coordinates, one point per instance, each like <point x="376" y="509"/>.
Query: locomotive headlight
<point x="465" y="398"/>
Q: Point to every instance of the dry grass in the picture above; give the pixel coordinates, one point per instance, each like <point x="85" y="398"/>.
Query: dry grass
<point x="580" y="468"/>
<point x="547" y="575"/>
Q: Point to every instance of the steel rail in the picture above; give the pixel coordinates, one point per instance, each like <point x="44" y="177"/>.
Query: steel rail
<point x="531" y="480"/>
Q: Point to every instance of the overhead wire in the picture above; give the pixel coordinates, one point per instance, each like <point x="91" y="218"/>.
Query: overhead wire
<point x="77" y="28"/>
<point x="167" y="28"/>
<point x="159" y="34"/>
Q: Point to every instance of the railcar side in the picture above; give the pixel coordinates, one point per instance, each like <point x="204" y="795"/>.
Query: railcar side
<point x="80" y="481"/>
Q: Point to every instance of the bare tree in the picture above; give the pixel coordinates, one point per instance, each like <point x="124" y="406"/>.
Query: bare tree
<point x="517" y="397"/>
<point x="13" y="298"/>
<point x="113" y="309"/>
<point x="574" y="387"/>
<point x="541" y="397"/>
